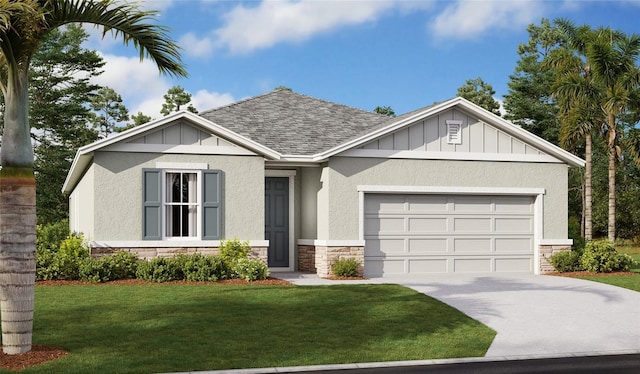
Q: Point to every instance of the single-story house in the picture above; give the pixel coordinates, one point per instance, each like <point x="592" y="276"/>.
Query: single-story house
<point x="444" y="189"/>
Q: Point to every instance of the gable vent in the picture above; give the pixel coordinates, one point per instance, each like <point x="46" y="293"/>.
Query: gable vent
<point x="454" y="132"/>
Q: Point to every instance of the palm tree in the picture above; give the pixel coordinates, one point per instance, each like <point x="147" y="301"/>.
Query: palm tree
<point x="607" y="92"/>
<point x="23" y="24"/>
<point x="574" y="91"/>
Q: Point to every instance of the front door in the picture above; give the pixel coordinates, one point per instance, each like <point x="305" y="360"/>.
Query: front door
<point x="276" y="220"/>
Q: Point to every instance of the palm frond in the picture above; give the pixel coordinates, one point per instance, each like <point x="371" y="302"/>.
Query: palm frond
<point x="123" y="20"/>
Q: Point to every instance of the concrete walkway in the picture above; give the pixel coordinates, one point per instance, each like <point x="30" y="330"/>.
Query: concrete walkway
<point x="533" y="315"/>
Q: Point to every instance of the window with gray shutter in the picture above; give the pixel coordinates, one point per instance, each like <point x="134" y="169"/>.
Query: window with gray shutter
<point x="211" y="204"/>
<point x="152" y="204"/>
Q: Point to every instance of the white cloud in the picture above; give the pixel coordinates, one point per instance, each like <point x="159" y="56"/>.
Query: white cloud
<point x="205" y="100"/>
<point x="193" y="46"/>
<point x="271" y="22"/>
<point x="469" y="19"/>
<point x="139" y="83"/>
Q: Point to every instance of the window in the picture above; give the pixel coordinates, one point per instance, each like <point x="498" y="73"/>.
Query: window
<point x="181" y="204"/>
<point x="454" y="132"/>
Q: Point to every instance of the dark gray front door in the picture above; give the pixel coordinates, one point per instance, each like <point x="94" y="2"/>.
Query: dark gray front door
<point x="276" y="220"/>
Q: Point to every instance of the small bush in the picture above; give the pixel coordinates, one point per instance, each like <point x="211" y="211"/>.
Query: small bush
<point x="345" y="267"/>
<point x="250" y="269"/>
<point x="566" y="261"/>
<point x="121" y="265"/>
<point x="601" y="257"/>
<point x="206" y="268"/>
<point x="63" y="263"/>
<point x="234" y="248"/>
<point x="160" y="269"/>
<point x="49" y="236"/>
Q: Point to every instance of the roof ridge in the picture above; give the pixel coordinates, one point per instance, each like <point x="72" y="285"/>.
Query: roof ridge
<point x="287" y="92"/>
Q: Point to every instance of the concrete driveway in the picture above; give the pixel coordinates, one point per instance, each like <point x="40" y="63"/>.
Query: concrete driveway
<point x="533" y="315"/>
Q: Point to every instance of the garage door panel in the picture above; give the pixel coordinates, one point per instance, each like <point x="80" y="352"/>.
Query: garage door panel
<point x="513" y="225"/>
<point x="381" y="247"/>
<point x="425" y="225"/>
<point x="384" y="225"/>
<point x="472" y="245"/>
<point x="427" y="266"/>
<point x="427" y="203"/>
<point x="514" y="245"/>
<point x="514" y="204"/>
<point x="377" y="267"/>
<point x="416" y="234"/>
<point x="466" y="225"/>
<point x="384" y="203"/>
<point x="472" y="204"/>
<point x="514" y="265"/>
<point x="428" y="246"/>
<point x="471" y="265"/>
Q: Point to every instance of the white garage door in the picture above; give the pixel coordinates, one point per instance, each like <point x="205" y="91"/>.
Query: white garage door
<point x="424" y="234"/>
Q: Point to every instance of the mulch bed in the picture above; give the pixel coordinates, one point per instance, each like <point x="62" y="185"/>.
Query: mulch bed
<point x="40" y="354"/>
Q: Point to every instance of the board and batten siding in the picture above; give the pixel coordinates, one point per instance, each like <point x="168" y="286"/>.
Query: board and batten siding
<point x="183" y="134"/>
<point x="430" y="135"/>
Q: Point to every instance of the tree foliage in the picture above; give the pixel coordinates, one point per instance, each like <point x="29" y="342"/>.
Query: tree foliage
<point x="481" y="93"/>
<point x="175" y="99"/>
<point x="385" y="110"/>
<point x="109" y="111"/>
<point x="529" y="102"/>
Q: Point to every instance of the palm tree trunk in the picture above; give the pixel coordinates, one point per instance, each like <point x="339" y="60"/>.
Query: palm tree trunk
<point x="588" y="231"/>
<point x="17" y="220"/>
<point x="612" y="179"/>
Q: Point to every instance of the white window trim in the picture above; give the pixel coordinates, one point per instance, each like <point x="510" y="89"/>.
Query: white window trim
<point x="198" y="209"/>
<point x="182" y="165"/>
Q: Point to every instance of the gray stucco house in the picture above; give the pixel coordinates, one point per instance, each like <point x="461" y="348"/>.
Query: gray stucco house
<point x="444" y="189"/>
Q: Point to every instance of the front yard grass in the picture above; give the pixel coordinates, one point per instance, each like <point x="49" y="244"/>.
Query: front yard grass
<point x="185" y="327"/>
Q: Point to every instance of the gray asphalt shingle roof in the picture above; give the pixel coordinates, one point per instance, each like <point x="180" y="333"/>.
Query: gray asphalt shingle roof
<point x="295" y="124"/>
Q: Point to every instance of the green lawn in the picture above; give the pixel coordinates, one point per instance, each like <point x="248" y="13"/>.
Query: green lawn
<point x="163" y="328"/>
<point x="631" y="282"/>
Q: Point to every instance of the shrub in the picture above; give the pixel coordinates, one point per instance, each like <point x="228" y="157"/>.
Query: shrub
<point x="206" y="268"/>
<point x="234" y="248"/>
<point x="121" y="265"/>
<point x="160" y="269"/>
<point x="601" y="257"/>
<point x="63" y="263"/>
<point x="346" y="267"/>
<point x="250" y="269"/>
<point x="49" y="236"/>
<point x="566" y="261"/>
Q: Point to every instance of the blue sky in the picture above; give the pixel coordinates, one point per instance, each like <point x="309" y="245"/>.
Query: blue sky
<point x="403" y="54"/>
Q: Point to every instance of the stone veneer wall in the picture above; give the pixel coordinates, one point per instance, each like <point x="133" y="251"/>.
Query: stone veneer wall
<point x="325" y="256"/>
<point x="546" y="251"/>
<point x="307" y="258"/>
<point x="149" y="253"/>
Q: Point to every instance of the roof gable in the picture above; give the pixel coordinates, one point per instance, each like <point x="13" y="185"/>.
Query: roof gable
<point x="425" y="130"/>
<point x="432" y="134"/>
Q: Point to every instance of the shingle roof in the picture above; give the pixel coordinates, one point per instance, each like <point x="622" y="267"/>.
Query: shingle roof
<point x="295" y="124"/>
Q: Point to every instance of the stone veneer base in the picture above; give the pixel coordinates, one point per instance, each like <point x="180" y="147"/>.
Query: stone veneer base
<point x="546" y="251"/>
<point x="149" y="253"/>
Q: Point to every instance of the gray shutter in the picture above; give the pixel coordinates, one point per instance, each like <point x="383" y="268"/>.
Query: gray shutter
<point x="211" y="204"/>
<point x="151" y="204"/>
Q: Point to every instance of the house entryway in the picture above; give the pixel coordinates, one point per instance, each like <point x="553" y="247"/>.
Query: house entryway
<point x="276" y="220"/>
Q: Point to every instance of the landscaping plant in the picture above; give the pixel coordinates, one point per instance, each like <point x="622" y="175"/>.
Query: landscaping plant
<point x="600" y="256"/>
<point x="346" y="267"/>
